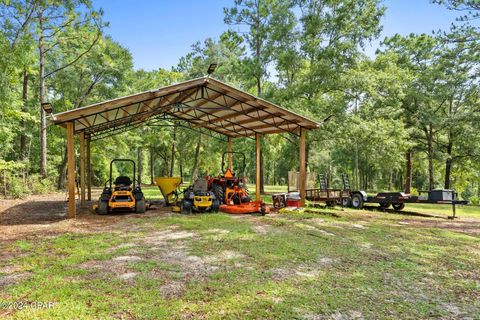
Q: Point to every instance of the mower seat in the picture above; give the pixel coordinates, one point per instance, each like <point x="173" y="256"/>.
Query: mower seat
<point x="122" y="183"/>
<point x="200" y="186"/>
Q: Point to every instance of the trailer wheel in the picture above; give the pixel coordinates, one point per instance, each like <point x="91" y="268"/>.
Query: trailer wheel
<point x="398" y="206"/>
<point x="357" y="201"/>
<point x="330" y="203"/>
<point x="346" y="202"/>
<point x="384" y="205"/>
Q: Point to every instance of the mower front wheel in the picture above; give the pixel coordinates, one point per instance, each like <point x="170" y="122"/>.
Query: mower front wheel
<point x="186" y="206"/>
<point x="140" y="206"/>
<point x="102" y="207"/>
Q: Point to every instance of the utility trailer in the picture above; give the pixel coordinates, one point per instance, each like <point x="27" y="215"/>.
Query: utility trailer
<point x="357" y="198"/>
<point x="330" y="196"/>
<point x="398" y="199"/>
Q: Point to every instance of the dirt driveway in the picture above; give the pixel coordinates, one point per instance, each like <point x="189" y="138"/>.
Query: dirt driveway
<point x="46" y="215"/>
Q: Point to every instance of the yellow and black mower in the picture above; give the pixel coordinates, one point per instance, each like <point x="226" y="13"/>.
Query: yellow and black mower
<point x="123" y="195"/>
<point x="197" y="198"/>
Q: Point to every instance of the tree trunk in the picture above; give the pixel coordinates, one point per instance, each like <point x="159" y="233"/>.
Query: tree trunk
<point x="390" y="181"/>
<point x="357" y="184"/>
<point x="180" y="166"/>
<point x="172" y="164"/>
<point x="62" y="171"/>
<point x="23" y="136"/>
<point x="152" y="167"/>
<point x="431" y="182"/>
<point x="449" y="161"/>
<point x="408" y="175"/>
<point x="43" y="118"/>
<point x="140" y="165"/>
<point x="196" y="159"/>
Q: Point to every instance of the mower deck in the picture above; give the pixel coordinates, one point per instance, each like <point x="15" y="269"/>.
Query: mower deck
<point x="244" y="208"/>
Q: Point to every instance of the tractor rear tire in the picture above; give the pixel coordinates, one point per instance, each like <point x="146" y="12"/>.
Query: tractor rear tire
<point x="219" y="193"/>
<point x="357" y="201"/>
<point x="398" y="206"/>
<point x="140" y="206"/>
<point x="102" y="207"/>
<point x="215" y="206"/>
<point x="186" y="206"/>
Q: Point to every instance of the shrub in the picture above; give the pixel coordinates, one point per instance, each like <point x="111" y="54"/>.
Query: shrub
<point x="475" y="200"/>
<point x="413" y="191"/>
<point x="38" y="185"/>
<point x="16" y="188"/>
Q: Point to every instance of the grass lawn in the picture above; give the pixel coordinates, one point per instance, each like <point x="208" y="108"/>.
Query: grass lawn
<point x="304" y="266"/>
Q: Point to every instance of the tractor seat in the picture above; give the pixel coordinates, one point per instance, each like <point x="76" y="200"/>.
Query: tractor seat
<point x="122" y="183"/>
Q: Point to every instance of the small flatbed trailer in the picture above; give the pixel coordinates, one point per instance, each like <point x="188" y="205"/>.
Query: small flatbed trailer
<point x="330" y="196"/>
<point x="398" y="199"/>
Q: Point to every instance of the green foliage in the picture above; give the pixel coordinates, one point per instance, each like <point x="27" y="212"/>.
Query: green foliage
<point x="17" y="188"/>
<point x="420" y="93"/>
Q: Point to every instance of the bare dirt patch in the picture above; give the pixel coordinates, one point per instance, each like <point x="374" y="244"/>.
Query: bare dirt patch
<point x="262" y="229"/>
<point x="46" y="216"/>
<point x="464" y="225"/>
<point x="224" y="256"/>
<point x="173" y="289"/>
<point x="348" y="315"/>
<point x="13" y="278"/>
<point x="8" y="269"/>
<point x="216" y="231"/>
<point x="166" y="235"/>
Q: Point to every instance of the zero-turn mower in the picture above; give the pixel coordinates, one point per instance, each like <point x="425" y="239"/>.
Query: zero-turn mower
<point x="231" y="191"/>
<point x="197" y="198"/>
<point x="123" y="195"/>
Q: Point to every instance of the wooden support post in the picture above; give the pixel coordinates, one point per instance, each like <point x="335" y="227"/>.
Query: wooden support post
<point x="83" y="202"/>
<point x="89" y="172"/>
<point x="257" y="163"/>
<point x="303" y="169"/>
<point x="72" y="212"/>
<point x="229" y="149"/>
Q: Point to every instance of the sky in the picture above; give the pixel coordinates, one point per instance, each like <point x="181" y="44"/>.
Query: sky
<point x="159" y="32"/>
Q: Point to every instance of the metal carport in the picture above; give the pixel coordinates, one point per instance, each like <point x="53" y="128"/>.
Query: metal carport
<point x="201" y="103"/>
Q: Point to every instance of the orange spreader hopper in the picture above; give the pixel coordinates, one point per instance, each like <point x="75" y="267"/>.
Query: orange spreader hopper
<point x="247" y="207"/>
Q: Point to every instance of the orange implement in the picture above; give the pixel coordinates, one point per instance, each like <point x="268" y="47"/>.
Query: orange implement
<point x="247" y="207"/>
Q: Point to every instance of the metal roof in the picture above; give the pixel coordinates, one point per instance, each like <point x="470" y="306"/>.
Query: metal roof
<point x="203" y="103"/>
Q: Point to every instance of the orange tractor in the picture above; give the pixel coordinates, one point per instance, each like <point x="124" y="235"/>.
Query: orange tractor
<point x="231" y="191"/>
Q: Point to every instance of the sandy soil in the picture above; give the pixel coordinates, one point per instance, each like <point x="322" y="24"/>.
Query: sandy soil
<point x="46" y="215"/>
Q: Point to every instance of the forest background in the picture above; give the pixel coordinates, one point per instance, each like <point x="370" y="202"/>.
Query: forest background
<point x="406" y="118"/>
